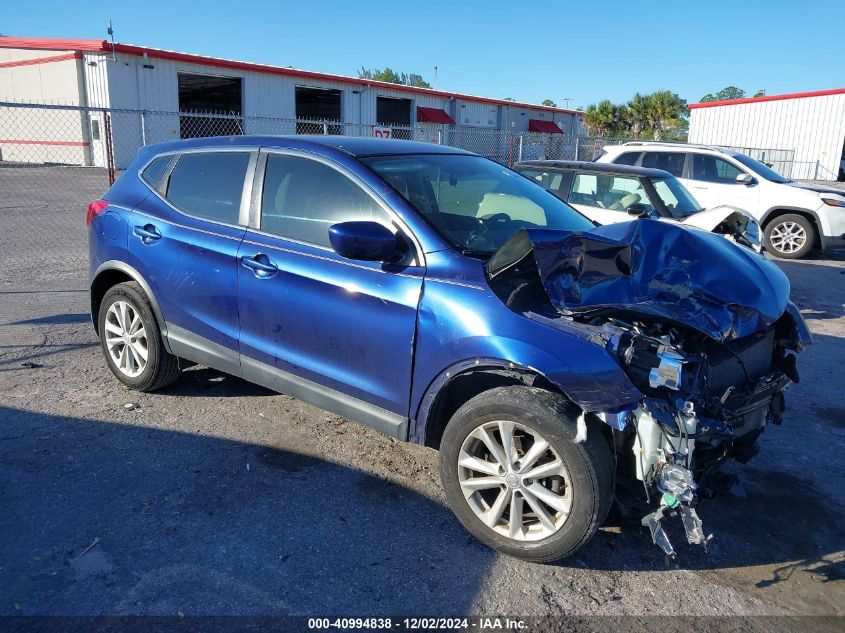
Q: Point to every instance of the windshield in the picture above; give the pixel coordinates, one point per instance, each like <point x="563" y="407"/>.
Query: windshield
<point x="677" y="201"/>
<point x="473" y="202"/>
<point x="765" y="172"/>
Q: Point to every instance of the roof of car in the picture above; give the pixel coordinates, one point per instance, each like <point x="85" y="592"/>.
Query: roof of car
<point x="350" y="145"/>
<point x="601" y="168"/>
<point x="669" y="146"/>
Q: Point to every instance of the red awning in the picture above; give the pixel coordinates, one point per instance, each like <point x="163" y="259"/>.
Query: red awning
<point x="433" y="115"/>
<point x="539" y="125"/>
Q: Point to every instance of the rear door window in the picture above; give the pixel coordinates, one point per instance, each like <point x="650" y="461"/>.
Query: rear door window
<point x="714" y="169"/>
<point x="673" y="162"/>
<point x="209" y="184"/>
<point x="628" y="158"/>
<point x="606" y="191"/>
<point x="302" y="198"/>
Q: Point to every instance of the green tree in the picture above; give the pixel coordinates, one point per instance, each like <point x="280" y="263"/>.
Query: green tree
<point x="599" y="118"/>
<point x="389" y="75"/>
<point x="665" y="110"/>
<point x="725" y="94"/>
<point x="549" y="103"/>
<point x="637" y="118"/>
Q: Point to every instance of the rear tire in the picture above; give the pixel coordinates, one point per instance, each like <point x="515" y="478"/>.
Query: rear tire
<point x="790" y="236"/>
<point x="131" y="340"/>
<point x="538" y="517"/>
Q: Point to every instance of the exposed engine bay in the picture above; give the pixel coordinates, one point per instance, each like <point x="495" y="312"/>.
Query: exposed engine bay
<point x="710" y="350"/>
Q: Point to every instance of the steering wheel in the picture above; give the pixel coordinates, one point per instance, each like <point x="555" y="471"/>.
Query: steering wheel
<point x="484" y="233"/>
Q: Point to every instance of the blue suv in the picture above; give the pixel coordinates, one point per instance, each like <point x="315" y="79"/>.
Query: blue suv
<point x="444" y="299"/>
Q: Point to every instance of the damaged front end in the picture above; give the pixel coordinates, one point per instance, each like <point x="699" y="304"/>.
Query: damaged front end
<point x="704" y="330"/>
<point x="730" y="222"/>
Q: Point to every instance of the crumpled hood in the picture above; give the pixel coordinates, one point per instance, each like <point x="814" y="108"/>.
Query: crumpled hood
<point x="653" y="268"/>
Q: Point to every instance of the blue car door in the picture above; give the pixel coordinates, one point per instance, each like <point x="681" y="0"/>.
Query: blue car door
<point x="331" y="331"/>
<point x="184" y="242"/>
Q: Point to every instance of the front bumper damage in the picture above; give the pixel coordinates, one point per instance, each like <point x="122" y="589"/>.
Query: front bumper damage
<point x="703" y="329"/>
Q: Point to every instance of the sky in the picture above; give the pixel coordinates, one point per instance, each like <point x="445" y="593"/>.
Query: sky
<point x="529" y="51"/>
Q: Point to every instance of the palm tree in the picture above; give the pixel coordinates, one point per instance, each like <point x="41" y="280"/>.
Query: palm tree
<point x="664" y="112"/>
<point x="637" y="110"/>
<point x="599" y="118"/>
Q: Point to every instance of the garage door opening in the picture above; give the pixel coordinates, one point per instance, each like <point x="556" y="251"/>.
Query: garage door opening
<point x="316" y="104"/>
<point x="221" y="98"/>
<point x="391" y="112"/>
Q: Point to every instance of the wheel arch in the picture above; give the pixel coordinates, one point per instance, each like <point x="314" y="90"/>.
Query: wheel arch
<point x="113" y="272"/>
<point x="463" y="381"/>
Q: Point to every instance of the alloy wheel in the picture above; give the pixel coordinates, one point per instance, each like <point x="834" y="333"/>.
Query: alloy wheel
<point x="514" y="481"/>
<point x="788" y="237"/>
<point x="126" y="339"/>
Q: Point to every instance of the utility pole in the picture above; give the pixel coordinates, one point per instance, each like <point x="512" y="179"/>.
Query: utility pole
<point x="567" y="100"/>
<point x="435" y="78"/>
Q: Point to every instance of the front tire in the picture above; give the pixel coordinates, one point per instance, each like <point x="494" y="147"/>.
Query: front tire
<point x="515" y="478"/>
<point x="790" y="236"/>
<point x="131" y="340"/>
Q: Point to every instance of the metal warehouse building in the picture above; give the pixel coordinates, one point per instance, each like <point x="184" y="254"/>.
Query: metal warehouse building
<point x="811" y="124"/>
<point x="164" y="87"/>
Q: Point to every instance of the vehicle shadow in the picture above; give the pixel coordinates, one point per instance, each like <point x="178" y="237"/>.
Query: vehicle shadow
<point x="109" y="518"/>
<point x="56" y="319"/>
<point x="203" y="382"/>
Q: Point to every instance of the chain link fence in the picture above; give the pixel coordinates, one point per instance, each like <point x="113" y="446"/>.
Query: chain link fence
<point x="68" y="141"/>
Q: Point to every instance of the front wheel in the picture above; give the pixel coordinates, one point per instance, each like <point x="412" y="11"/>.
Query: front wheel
<point x="515" y="478"/>
<point x="790" y="236"/>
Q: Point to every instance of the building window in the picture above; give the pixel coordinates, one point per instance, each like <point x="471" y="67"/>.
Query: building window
<point x="392" y="112"/>
<point x="315" y="105"/>
<point x="219" y="98"/>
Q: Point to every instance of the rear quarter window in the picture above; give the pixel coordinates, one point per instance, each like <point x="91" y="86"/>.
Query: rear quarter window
<point x="154" y="172"/>
<point x="209" y="184"/>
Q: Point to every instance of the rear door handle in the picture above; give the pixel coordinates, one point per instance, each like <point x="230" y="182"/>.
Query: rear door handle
<point x="147" y="233"/>
<point x="260" y="265"/>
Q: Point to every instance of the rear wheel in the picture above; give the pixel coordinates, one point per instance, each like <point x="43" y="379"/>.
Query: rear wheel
<point x="131" y="340"/>
<point x="515" y="478"/>
<point x="790" y="236"/>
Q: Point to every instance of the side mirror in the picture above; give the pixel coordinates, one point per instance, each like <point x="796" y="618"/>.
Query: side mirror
<point x="745" y="179"/>
<point x="638" y="210"/>
<point x="364" y="241"/>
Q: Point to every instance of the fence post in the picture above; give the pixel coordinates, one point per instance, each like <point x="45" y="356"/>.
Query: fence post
<point x="143" y="127"/>
<point x="577" y="143"/>
<point x="519" y="153"/>
<point x="440" y="137"/>
<point x="325" y="129"/>
<point x="109" y="147"/>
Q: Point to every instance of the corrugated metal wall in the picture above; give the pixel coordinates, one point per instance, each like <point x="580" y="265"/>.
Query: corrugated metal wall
<point x="814" y="127"/>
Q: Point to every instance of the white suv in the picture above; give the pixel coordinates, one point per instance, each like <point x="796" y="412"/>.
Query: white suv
<point x="795" y="217"/>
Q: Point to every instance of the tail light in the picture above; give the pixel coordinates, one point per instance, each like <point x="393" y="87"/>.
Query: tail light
<point x="95" y="208"/>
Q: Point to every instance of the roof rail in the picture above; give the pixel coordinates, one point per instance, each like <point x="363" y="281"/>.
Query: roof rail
<point x="677" y="144"/>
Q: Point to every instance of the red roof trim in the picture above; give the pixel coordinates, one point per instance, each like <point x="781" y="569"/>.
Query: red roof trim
<point x="40" y="60"/>
<point x="154" y="53"/>
<point x="541" y="125"/>
<point x="792" y="95"/>
<point x="433" y="115"/>
<point x="52" y="44"/>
